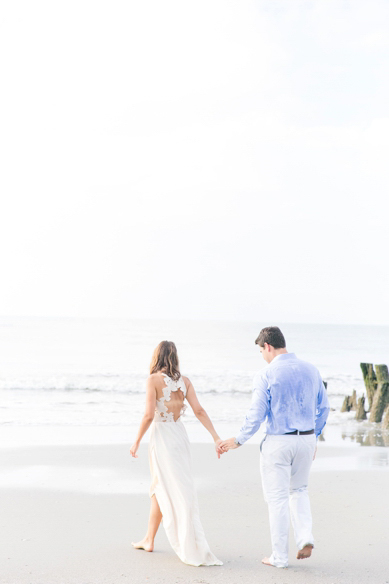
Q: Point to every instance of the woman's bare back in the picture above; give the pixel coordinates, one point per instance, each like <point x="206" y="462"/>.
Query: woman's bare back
<point x="170" y="395"/>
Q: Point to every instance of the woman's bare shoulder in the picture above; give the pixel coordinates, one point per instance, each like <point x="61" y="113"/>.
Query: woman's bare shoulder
<point x="187" y="381"/>
<point x="155" y="377"/>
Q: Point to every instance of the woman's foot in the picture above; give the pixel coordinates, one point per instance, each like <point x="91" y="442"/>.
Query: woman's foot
<point x="305" y="552"/>
<point x="144" y="544"/>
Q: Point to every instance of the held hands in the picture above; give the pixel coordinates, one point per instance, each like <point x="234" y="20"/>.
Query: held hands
<point x="226" y="445"/>
<point x="217" y="447"/>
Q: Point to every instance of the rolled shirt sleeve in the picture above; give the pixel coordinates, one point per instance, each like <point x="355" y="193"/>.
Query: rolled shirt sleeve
<point x="258" y="411"/>
<point x="322" y="409"/>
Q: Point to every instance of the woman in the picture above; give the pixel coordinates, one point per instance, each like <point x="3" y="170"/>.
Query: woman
<point x="172" y="492"/>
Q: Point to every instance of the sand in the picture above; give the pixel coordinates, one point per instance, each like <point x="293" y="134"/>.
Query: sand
<point x="69" y="514"/>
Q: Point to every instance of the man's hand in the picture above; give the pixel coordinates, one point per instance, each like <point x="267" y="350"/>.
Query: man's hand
<point x="226" y="445"/>
<point x="314" y="454"/>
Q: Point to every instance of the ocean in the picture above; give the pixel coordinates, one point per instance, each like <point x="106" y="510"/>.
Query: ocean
<point x="57" y="372"/>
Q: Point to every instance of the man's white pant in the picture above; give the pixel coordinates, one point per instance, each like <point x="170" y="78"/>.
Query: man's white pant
<point x="285" y="464"/>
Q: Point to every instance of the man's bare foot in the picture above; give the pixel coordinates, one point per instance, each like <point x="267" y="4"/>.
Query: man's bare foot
<point x="144" y="544"/>
<point x="305" y="552"/>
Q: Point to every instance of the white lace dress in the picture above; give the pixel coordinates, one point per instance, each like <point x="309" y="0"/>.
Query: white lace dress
<point x="171" y="478"/>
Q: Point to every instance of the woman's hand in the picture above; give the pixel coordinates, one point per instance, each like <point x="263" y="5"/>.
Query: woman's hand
<point x="134" y="449"/>
<point x="217" y="447"/>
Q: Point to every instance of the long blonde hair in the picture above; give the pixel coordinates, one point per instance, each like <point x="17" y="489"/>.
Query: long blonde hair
<point x="165" y="357"/>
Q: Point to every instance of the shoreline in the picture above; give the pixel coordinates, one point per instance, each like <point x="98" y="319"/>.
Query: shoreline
<point x="343" y="433"/>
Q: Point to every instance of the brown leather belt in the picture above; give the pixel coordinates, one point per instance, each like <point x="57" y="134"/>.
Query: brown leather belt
<point x="300" y="432"/>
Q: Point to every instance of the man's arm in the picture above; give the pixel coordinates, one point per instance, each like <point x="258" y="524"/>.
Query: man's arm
<point x="322" y="409"/>
<point x="257" y="413"/>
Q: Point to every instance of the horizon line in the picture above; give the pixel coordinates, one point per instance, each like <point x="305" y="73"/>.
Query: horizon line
<point x="186" y="319"/>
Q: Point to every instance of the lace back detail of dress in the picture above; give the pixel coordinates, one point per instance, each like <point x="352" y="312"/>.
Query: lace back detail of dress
<point x="170" y="406"/>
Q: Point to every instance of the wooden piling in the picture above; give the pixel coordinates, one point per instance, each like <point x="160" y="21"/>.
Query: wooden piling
<point x="346" y="404"/>
<point x="361" y="413"/>
<point x="385" y="419"/>
<point x="381" y="394"/>
<point x="370" y="379"/>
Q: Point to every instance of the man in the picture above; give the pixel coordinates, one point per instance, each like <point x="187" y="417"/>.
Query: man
<point x="291" y="394"/>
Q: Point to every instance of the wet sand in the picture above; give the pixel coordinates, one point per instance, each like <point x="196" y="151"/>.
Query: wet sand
<point x="69" y="514"/>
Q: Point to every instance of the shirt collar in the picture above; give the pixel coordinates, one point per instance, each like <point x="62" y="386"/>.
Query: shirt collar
<point x="283" y="356"/>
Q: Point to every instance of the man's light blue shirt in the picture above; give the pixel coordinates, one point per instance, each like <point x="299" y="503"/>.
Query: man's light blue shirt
<point x="290" y="393"/>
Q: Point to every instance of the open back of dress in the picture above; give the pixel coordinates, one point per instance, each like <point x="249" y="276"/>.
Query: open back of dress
<point x="170" y="400"/>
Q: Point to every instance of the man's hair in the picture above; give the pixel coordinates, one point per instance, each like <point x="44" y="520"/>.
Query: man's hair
<point x="271" y="335"/>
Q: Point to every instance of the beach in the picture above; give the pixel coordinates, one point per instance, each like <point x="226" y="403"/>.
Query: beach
<point x="72" y="499"/>
<point x="70" y="512"/>
<point x="192" y="190"/>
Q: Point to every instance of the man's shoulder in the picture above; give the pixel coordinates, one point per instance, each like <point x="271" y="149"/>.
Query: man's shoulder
<point x="301" y="364"/>
<point x="261" y="375"/>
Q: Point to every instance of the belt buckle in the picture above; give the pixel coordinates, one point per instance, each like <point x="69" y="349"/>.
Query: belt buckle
<point x="298" y="432"/>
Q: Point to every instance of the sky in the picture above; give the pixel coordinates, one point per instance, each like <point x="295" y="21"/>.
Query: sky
<point x="195" y="160"/>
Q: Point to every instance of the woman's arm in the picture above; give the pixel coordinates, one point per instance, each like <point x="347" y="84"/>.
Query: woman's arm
<point x="200" y="413"/>
<point x="151" y="398"/>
